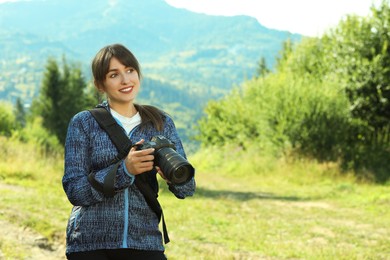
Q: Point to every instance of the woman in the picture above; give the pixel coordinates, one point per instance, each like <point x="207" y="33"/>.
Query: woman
<point x="122" y="226"/>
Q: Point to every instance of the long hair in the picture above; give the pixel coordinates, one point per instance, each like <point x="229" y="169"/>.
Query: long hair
<point x="151" y="115"/>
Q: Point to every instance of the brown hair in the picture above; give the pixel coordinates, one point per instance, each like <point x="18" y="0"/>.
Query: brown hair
<point x="151" y="115"/>
<point x="101" y="65"/>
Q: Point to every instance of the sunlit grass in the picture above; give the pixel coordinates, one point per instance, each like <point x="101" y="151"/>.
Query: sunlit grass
<point x="246" y="206"/>
<point x="290" y="209"/>
<point x="31" y="189"/>
<point x="12" y="250"/>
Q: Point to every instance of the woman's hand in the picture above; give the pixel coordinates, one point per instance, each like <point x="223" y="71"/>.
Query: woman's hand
<point x="139" y="161"/>
<point x="162" y="174"/>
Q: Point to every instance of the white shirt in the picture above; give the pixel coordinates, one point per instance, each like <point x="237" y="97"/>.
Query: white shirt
<point x="128" y="123"/>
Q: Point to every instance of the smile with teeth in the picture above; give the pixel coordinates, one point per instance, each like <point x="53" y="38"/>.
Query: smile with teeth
<point x="126" y="90"/>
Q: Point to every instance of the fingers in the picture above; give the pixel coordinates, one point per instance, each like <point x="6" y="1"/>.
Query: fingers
<point x="145" y="152"/>
<point x="162" y="174"/>
<point x="134" y="148"/>
<point x="139" y="161"/>
<point x="142" y="167"/>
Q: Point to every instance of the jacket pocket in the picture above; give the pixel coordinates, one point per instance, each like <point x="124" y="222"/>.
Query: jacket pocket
<point x="73" y="222"/>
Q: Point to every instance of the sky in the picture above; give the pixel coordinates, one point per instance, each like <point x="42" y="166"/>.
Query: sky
<point x="306" y="17"/>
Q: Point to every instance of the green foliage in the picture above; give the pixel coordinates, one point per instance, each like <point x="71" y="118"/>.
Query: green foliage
<point x="30" y="184"/>
<point x="284" y="54"/>
<point x="361" y="46"/>
<point x="7" y="119"/>
<point x="327" y="99"/>
<point x="262" y="68"/>
<point x="20" y="113"/>
<point x="279" y="113"/>
<point x="35" y="134"/>
<point x="63" y="94"/>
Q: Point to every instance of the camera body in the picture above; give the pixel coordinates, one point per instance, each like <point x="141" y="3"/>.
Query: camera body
<point x="175" y="167"/>
<point x="157" y="142"/>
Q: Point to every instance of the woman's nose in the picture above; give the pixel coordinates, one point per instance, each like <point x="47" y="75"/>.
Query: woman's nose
<point x="125" y="78"/>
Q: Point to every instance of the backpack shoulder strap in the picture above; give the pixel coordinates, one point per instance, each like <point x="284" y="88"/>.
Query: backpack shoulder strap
<point x="113" y="129"/>
<point x="121" y="142"/>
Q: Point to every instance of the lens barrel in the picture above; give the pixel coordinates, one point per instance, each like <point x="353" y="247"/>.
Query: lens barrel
<point x="175" y="168"/>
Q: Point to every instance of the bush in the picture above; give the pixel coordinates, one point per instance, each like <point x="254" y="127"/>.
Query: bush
<point x="35" y="133"/>
<point x="7" y="119"/>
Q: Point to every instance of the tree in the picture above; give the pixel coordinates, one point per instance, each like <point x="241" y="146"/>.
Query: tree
<point x="361" y="46"/>
<point x="329" y="99"/>
<point x="284" y="54"/>
<point x="7" y="119"/>
<point x="262" y="69"/>
<point x="63" y="94"/>
<point x="50" y="95"/>
<point x="20" y="113"/>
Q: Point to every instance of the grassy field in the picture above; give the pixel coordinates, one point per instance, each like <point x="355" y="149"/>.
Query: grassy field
<point x="245" y="207"/>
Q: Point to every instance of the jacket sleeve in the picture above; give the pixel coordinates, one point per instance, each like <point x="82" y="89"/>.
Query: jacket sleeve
<point x="78" y="165"/>
<point x="187" y="189"/>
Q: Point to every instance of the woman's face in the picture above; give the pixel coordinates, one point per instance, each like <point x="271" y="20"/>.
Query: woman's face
<point x="121" y="83"/>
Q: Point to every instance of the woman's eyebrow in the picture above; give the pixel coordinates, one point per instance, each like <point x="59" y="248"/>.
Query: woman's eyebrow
<point x="110" y="70"/>
<point x="115" y="69"/>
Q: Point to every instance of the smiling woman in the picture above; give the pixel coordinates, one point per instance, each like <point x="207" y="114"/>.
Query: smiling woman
<point x="113" y="217"/>
<point x="306" y="17"/>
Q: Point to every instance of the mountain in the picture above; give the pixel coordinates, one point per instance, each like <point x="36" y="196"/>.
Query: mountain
<point x="174" y="45"/>
<point x="187" y="57"/>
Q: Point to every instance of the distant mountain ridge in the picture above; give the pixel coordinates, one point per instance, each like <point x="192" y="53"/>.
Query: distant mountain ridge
<point x="186" y="58"/>
<point x="175" y="45"/>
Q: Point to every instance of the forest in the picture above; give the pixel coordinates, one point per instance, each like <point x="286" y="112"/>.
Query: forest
<point x="314" y="129"/>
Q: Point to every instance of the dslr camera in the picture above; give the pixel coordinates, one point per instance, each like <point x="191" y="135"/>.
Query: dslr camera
<point x="174" y="166"/>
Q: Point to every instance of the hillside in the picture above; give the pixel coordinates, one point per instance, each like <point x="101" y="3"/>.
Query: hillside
<point x="185" y="49"/>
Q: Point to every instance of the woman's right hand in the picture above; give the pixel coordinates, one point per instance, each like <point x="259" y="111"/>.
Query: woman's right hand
<point x="139" y="161"/>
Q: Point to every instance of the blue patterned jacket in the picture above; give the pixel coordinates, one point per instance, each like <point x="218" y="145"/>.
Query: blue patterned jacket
<point x="122" y="221"/>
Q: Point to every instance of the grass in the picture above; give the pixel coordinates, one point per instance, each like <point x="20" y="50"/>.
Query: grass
<point x="278" y="209"/>
<point x="245" y="207"/>
<point x="31" y="189"/>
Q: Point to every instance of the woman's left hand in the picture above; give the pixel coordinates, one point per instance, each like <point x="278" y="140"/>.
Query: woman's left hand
<point x="162" y="174"/>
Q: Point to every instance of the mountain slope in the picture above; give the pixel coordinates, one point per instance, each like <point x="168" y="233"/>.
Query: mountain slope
<point x="164" y="38"/>
<point x="184" y="56"/>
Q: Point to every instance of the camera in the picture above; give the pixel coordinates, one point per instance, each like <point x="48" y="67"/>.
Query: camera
<point x="174" y="166"/>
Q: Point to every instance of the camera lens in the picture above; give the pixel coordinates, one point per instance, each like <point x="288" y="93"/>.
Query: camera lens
<point x="182" y="174"/>
<point x="175" y="168"/>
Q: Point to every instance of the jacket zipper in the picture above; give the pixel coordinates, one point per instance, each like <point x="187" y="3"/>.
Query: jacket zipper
<point x="126" y="206"/>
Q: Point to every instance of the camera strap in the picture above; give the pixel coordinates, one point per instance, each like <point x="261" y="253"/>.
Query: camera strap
<point x="123" y="144"/>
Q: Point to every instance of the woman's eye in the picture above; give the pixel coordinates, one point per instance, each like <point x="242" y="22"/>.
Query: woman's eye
<point x="130" y="70"/>
<point x="113" y="75"/>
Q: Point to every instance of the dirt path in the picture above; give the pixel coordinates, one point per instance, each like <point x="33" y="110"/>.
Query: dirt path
<point x="24" y="243"/>
<point x="34" y="245"/>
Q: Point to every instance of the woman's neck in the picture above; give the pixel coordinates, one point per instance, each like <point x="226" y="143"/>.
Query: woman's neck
<point x="127" y="110"/>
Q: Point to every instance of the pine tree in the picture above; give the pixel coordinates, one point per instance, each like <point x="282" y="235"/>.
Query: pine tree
<point x="63" y="94"/>
<point x="50" y="96"/>
<point x="262" y="68"/>
<point x="20" y="113"/>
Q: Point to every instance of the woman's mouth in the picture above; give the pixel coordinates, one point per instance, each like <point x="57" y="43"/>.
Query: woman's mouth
<point x="126" y="90"/>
